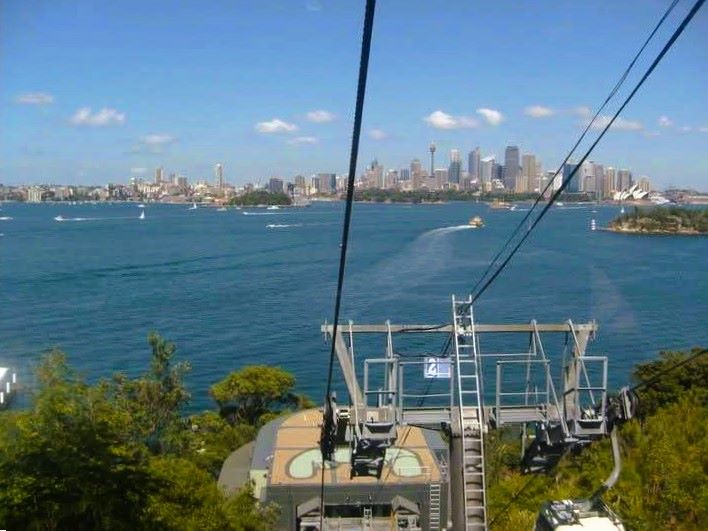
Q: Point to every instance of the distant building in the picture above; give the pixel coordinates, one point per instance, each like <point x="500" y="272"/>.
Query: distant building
<point x="473" y="161"/>
<point x="440" y="178"/>
<point x="454" y="171"/>
<point x="219" y="174"/>
<point x="529" y="178"/>
<point x="35" y="194"/>
<point x="624" y="180"/>
<point x="328" y="183"/>
<point x="275" y="185"/>
<point x="511" y="167"/>
<point x="159" y="175"/>
<point x="486" y="173"/>
<point x="573" y="185"/>
<point x="644" y="184"/>
<point x="608" y="184"/>
<point x="404" y="174"/>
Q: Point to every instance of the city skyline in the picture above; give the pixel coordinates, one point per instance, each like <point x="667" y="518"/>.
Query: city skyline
<point x="82" y="106"/>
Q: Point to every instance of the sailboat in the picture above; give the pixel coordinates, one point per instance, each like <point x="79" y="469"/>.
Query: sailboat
<point x="142" y="215"/>
<point x="193" y="207"/>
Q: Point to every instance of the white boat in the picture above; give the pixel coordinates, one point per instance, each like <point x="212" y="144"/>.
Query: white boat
<point x="273" y="207"/>
<point x="193" y="207"/>
<point x="622" y="210"/>
<point x="476" y="222"/>
<point x="8" y="386"/>
<point x="141" y="205"/>
<point x="221" y="209"/>
<point x="558" y="203"/>
<point x="59" y="218"/>
<point x="142" y="215"/>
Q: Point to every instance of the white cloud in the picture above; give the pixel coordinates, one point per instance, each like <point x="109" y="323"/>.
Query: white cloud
<point x="582" y="111"/>
<point x="320" y="116"/>
<point x="442" y="120"/>
<point x="665" y="121"/>
<point x="686" y="129"/>
<point x="35" y="98"/>
<point x="377" y="134"/>
<point x="703" y="129"/>
<point x="620" y="123"/>
<point x="303" y="140"/>
<point x="104" y="117"/>
<point x="157" y="139"/>
<point x="276" y="125"/>
<point x="492" y="116"/>
<point x="538" y="111"/>
<point x="138" y="171"/>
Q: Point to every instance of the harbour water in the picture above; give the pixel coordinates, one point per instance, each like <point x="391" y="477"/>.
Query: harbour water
<point x="232" y="289"/>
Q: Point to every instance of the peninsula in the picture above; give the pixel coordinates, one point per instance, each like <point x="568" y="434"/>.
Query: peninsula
<point x="672" y="220"/>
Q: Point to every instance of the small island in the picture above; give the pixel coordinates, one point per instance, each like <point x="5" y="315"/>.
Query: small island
<point x="661" y="220"/>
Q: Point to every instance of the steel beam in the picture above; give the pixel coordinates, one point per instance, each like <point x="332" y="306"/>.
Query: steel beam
<point x="524" y="328"/>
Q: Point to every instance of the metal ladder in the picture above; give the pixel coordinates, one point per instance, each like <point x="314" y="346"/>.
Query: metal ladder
<point x="468" y="377"/>
<point x="434" y="507"/>
<point x="366" y="521"/>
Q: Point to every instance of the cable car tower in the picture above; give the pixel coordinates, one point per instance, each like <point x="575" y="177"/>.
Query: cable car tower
<point x="523" y="393"/>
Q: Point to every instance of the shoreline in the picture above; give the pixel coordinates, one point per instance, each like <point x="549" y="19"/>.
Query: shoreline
<point x="651" y="232"/>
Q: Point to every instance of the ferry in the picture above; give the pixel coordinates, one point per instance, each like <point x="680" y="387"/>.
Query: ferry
<point x="476" y="222"/>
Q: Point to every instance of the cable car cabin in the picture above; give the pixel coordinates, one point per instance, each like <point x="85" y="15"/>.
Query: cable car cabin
<point x="577" y="515"/>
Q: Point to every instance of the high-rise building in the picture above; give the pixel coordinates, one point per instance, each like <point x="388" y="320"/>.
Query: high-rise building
<point x="473" y="160"/>
<point x="644" y="184"/>
<point x="328" y="183"/>
<point x="529" y="178"/>
<point x="454" y="171"/>
<point x="486" y="172"/>
<point x="275" y="185"/>
<point x="404" y="174"/>
<point x="609" y="185"/>
<point x="391" y="180"/>
<point x="586" y="178"/>
<point x="441" y="178"/>
<point x="624" y="180"/>
<point x="219" y="175"/>
<point x="511" y="167"/>
<point x="599" y="181"/>
<point x="573" y="185"/>
<point x="159" y="175"/>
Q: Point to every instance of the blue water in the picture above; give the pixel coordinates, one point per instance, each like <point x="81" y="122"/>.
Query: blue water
<point x="231" y="291"/>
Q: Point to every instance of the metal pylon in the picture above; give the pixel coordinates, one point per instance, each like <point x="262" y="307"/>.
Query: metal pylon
<point x="468" y="391"/>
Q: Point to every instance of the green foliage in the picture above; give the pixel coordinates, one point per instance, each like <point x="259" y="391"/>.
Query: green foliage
<point x="154" y="401"/>
<point x="254" y="393"/>
<point x="664" y="479"/>
<point x="69" y="462"/>
<point x="261" y="197"/>
<point x="663" y="220"/>
<point x="670" y="386"/>
<point x="118" y="455"/>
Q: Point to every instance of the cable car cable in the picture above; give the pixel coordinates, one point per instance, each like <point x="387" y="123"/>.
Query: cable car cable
<point x="360" y="93"/>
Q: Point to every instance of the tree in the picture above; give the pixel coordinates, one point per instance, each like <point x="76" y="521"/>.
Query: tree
<point x="69" y="461"/>
<point x="155" y="400"/>
<point x="246" y="396"/>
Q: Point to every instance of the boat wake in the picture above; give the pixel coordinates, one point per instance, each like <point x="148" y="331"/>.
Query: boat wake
<point x="446" y="230"/>
<point x="282" y="225"/>
<point x="263" y="213"/>
<point x="5" y="218"/>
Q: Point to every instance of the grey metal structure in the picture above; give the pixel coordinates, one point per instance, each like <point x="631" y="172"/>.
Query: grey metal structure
<point x="552" y="420"/>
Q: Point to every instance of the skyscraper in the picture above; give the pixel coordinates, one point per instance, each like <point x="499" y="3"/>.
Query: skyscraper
<point x="486" y="172"/>
<point x="573" y="186"/>
<point x="609" y="182"/>
<point x="473" y="160"/>
<point x="511" y="167"/>
<point x="159" y="175"/>
<point x="529" y="178"/>
<point x="219" y="174"/>
<point x="454" y="172"/>
<point x="624" y="180"/>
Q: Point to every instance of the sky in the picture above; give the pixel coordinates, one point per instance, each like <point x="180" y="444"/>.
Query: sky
<point x="92" y="92"/>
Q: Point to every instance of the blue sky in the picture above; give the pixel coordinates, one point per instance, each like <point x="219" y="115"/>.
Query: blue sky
<point x="98" y="91"/>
